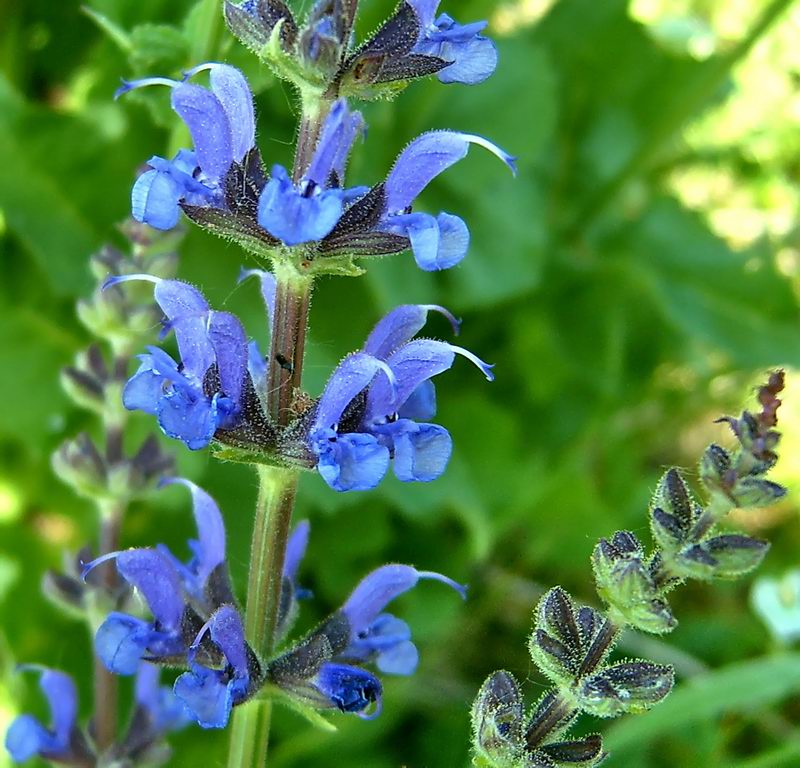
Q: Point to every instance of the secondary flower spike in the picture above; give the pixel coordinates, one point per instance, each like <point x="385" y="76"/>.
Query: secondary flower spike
<point x="367" y="417"/>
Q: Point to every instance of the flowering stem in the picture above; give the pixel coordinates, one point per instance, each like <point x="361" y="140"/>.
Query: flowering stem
<point x="276" y="494"/>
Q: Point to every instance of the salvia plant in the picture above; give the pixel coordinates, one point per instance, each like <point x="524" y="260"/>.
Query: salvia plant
<point x="243" y="400"/>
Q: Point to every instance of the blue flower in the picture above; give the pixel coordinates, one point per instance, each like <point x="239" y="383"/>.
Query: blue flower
<point x="438" y="242"/>
<point x="309" y="210"/>
<point x="178" y="595"/>
<point x="221" y="122"/>
<point x="63" y="742"/>
<point x="324" y="670"/>
<point x="210" y="693"/>
<point x="473" y="57"/>
<point x="367" y="415"/>
<point x="188" y="404"/>
<point x="378" y="636"/>
<point x="218" y="681"/>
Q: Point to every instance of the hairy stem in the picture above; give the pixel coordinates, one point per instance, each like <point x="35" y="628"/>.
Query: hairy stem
<point x="276" y="495"/>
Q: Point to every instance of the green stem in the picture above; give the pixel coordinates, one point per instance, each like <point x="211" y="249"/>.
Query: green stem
<point x="250" y="735"/>
<point x="276" y="493"/>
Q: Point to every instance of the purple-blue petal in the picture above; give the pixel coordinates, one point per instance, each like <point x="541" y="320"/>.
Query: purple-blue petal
<point x="256" y="365"/>
<point x="62" y="696"/>
<point x="154" y="200"/>
<point x="336" y="140"/>
<point x="349" y="689"/>
<point x="425" y="158"/>
<point x="376" y="590"/>
<point x="227" y="633"/>
<point x="400" y="326"/>
<point x="473" y="56"/>
<point x="294" y="217"/>
<point x="207" y="121"/>
<point x="230" y="87"/>
<point x="210" y="551"/>
<point x="295" y="550"/>
<point x="400" y="659"/>
<point x="413" y="364"/>
<point x="473" y="61"/>
<point x="350" y="462"/>
<point x="437" y="242"/>
<point x="144" y="389"/>
<point x="121" y="641"/>
<point x="425" y="10"/>
<point x="349" y="378"/>
<point x="210" y="694"/>
<point x="421" y="405"/>
<point x="229" y="342"/>
<point x="165" y="710"/>
<point x="269" y="287"/>
<point x="207" y="697"/>
<point x="188" y="416"/>
<point x="158" y="581"/>
<point x="186" y="310"/>
<point x="27" y="737"/>
<point x="421" y="451"/>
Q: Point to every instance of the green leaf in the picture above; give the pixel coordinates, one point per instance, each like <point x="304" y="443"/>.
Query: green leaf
<point x="735" y="302"/>
<point x="114" y="31"/>
<point x="157" y="46"/>
<point x="41" y="214"/>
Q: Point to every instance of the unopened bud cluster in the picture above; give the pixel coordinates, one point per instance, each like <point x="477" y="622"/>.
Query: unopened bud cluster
<point x="570" y="644"/>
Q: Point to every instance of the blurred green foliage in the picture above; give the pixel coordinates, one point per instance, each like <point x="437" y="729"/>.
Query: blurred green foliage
<point x="629" y="285"/>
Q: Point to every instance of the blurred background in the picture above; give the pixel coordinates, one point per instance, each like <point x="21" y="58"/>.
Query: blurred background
<point x="631" y="285"/>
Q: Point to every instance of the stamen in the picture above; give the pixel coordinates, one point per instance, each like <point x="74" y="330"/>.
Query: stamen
<point x="90" y="566"/>
<point x="187" y="73"/>
<point x="460" y="588"/>
<point x="509" y="160"/>
<point x="485" y="367"/>
<point x="132" y="85"/>
<point x="376" y="710"/>
<point x="455" y="322"/>
<point x="116" y="279"/>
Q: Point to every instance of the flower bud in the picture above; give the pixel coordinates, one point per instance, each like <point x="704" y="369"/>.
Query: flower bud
<point x="79" y="464"/>
<point x="497" y="718"/>
<point x="624" y="581"/>
<point x="628" y="687"/>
